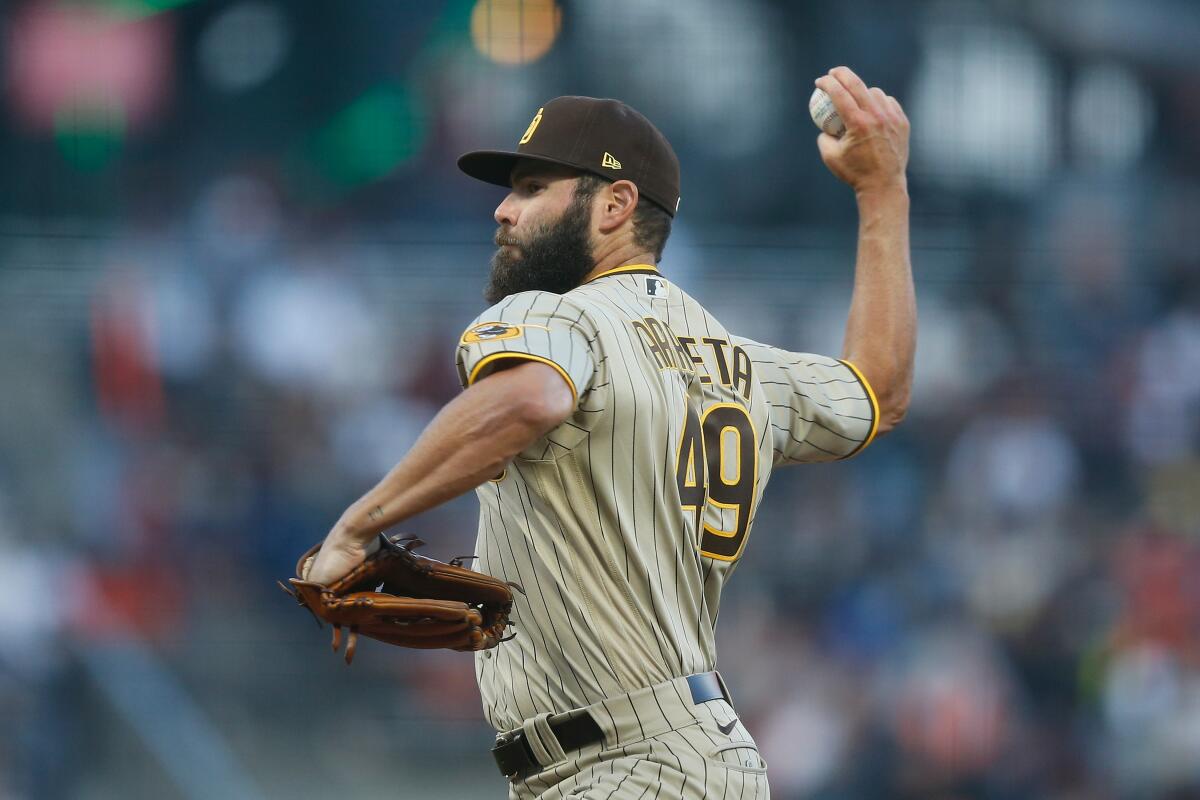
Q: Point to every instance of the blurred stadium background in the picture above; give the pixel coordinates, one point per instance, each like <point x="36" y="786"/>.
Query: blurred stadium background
<point x="235" y="255"/>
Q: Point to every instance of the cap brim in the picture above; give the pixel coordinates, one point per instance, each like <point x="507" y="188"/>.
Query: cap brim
<point x="496" y="166"/>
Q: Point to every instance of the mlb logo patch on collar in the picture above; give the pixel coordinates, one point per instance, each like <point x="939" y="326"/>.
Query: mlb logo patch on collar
<point x="491" y="332"/>
<point x="655" y="286"/>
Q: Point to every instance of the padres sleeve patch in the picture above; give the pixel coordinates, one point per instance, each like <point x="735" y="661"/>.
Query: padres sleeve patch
<point x="533" y="326"/>
<point x="491" y="332"/>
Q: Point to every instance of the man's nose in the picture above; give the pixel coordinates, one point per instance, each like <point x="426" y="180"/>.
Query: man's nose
<point x="506" y="212"/>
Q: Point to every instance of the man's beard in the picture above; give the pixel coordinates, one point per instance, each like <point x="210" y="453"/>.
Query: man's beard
<point x="555" y="258"/>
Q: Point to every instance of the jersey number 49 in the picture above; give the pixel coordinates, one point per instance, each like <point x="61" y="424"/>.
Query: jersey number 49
<point x="717" y="470"/>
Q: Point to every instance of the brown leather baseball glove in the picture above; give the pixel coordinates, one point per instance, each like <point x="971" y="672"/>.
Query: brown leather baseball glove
<point x="405" y="599"/>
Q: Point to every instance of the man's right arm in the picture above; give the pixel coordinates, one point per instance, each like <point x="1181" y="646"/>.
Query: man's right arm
<point x="820" y="407"/>
<point x="872" y="157"/>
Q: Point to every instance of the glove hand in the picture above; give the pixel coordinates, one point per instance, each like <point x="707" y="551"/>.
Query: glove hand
<point x="338" y="555"/>
<point x="385" y="591"/>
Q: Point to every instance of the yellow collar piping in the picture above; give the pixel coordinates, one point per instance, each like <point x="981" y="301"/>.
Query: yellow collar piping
<point x="627" y="268"/>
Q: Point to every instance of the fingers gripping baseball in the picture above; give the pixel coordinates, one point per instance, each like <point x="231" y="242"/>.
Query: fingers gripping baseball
<point x="873" y="152"/>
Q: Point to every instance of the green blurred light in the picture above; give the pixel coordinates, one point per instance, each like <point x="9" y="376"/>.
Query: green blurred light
<point x="90" y="134"/>
<point x="372" y="136"/>
<point x="138" y="9"/>
<point x="455" y="22"/>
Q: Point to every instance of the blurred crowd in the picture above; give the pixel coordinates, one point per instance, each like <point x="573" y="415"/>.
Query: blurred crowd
<point x="203" y="364"/>
<point x="1002" y="598"/>
<point x="999" y="599"/>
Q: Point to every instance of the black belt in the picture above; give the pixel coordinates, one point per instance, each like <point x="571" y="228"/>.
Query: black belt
<point x="514" y="755"/>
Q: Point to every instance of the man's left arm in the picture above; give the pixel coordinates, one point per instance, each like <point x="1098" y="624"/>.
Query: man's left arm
<point x="470" y="440"/>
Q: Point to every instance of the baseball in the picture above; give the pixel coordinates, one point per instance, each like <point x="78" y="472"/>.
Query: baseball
<point x="820" y="106"/>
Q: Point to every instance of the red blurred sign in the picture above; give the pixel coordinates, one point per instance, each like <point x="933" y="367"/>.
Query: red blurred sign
<point x="65" y="56"/>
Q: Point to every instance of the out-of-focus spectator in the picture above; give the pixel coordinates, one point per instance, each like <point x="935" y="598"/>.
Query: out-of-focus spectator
<point x="229" y="304"/>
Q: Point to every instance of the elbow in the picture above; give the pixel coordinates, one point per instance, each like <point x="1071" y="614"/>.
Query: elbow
<point x="893" y="408"/>
<point x="890" y="380"/>
<point x="519" y="420"/>
<point x="545" y="401"/>
<point x="511" y="409"/>
<point x="889" y="420"/>
<point x="543" y="413"/>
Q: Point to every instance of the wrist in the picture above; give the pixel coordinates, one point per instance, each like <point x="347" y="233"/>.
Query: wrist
<point x="351" y="528"/>
<point x="889" y="192"/>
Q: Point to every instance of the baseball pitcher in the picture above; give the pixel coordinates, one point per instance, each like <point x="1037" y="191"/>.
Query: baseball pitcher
<point x="619" y="438"/>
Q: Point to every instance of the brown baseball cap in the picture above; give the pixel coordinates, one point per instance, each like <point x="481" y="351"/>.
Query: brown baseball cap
<point x="603" y="137"/>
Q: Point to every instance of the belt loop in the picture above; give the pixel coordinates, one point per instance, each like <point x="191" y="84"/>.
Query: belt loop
<point x="542" y="740"/>
<point x="724" y="689"/>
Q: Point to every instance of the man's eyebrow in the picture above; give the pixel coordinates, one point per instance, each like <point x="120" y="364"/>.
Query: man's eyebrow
<point x="542" y="171"/>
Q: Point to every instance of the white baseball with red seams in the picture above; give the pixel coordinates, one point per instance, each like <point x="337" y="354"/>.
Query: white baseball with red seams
<point x="821" y="107"/>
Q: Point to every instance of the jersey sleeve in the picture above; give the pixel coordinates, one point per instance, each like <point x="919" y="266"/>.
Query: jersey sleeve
<point x="530" y="326"/>
<point x="822" y="408"/>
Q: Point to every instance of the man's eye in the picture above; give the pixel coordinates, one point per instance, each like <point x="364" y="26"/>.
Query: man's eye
<point x="534" y="188"/>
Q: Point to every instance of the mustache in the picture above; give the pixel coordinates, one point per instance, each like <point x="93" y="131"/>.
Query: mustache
<point x="502" y="238"/>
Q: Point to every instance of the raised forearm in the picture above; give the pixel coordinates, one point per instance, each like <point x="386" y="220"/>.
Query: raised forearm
<point x="881" y="330"/>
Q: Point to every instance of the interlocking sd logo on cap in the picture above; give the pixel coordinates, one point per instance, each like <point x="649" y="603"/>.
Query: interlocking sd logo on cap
<point x="599" y="136"/>
<point x="532" y="126"/>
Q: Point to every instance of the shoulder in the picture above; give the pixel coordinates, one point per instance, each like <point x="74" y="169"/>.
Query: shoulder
<point x="616" y="297"/>
<point x="527" y="312"/>
<point x="566" y="306"/>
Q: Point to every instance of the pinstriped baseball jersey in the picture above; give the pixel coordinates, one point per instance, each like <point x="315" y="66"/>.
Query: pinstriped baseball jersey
<point x="623" y="523"/>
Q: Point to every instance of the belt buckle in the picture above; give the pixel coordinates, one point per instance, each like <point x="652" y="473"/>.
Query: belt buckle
<point x="512" y="754"/>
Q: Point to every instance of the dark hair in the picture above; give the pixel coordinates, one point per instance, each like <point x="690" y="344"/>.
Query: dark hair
<point x="651" y="224"/>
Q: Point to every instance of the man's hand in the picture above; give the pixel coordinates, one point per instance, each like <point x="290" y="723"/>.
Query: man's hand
<point x="401" y="598"/>
<point x="338" y="555"/>
<point x="872" y="154"/>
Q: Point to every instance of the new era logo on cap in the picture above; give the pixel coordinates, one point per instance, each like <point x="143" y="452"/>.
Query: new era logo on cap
<point x="610" y="162"/>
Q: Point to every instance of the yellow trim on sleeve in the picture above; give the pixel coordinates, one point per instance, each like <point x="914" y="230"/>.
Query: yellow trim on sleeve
<point x="626" y="268"/>
<point x="483" y="362"/>
<point x="874" y="408"/>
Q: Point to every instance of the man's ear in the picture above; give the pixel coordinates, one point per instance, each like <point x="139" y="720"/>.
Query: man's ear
<point x="618" y="201"/>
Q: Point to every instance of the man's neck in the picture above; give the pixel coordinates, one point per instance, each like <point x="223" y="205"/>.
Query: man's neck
<point x="622" y="257"/>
